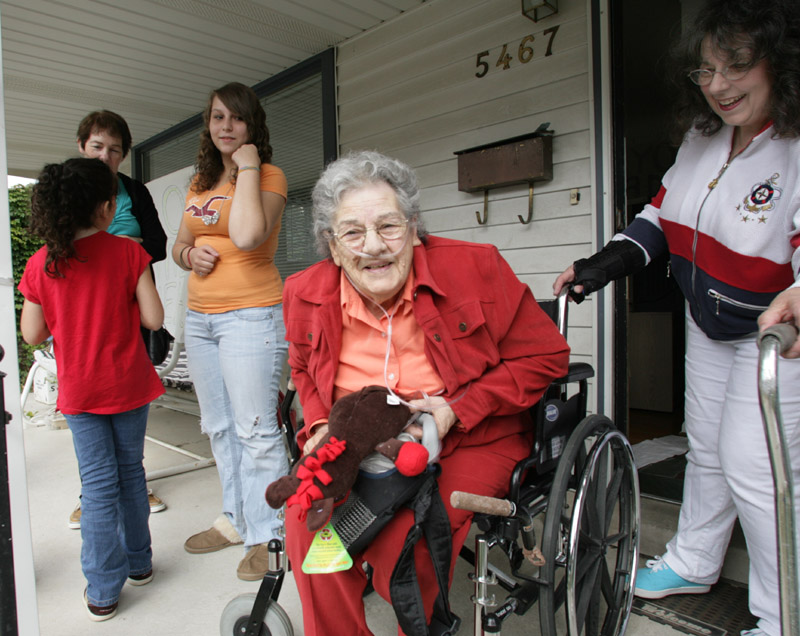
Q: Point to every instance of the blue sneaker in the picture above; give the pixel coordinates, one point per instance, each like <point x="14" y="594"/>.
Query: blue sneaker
<point x="658" y="580"/>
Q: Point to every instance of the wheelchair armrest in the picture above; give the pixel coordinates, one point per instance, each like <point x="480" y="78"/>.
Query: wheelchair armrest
<point x="576" y="372"/>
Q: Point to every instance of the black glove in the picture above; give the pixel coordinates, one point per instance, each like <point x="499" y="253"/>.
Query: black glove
<point x="615" y="260"/>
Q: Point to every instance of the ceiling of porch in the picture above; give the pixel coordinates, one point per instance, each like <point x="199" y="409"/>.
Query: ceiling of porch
<point x="152" y="61"/>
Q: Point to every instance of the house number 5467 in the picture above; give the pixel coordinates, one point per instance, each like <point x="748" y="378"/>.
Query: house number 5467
<point x="524" y="53"/>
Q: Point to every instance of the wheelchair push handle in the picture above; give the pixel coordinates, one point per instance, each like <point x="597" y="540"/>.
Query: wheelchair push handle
<point x="482" y="504"/>
<point x="577" y="296"/>
<point x="784" y="332"/>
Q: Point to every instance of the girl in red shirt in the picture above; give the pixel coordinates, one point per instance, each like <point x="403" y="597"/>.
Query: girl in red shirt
<point x="91" y="291"/>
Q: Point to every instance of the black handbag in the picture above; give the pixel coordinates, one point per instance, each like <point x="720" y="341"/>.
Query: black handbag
<point x="157" y="343"/>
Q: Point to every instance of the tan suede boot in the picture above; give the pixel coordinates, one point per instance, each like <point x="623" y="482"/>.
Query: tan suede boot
<point x="255" y="563"/>
<point x="221" y="535"/>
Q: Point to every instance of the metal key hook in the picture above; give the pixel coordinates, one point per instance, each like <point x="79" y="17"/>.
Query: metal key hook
<point x="530" y="206"/>
<point x="485" y="209"/>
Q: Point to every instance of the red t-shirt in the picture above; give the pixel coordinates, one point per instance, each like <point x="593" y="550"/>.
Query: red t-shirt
<point x="93" y="315"/>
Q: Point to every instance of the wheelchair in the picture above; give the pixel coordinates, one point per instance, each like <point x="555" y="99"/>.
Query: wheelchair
<point x="578" y="489"/>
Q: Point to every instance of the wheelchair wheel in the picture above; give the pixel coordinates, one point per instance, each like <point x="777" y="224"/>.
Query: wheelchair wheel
<point x="237" y="613"/>
<point x="591" y="534"/>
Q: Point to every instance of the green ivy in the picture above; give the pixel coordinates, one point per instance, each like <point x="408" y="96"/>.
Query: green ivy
<point x="23" y="245"/>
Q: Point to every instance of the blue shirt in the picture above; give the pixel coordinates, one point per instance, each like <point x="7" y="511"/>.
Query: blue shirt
<point x="124" y="222"/>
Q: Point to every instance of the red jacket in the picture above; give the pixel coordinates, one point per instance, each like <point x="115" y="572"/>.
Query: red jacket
<point x="484" y="334"/>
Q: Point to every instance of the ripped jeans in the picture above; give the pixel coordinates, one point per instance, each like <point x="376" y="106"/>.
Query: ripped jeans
<point x="235" y="361"/>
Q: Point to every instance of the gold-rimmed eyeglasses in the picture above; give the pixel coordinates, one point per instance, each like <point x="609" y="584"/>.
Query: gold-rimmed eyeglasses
<point x="704" y="76"/>
<point x="354" y="236"/>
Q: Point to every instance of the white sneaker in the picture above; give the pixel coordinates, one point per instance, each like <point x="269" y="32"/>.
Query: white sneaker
<point x="156" y="505"/>
<point x="75" y="518"/>
<point x="756" y="631"/>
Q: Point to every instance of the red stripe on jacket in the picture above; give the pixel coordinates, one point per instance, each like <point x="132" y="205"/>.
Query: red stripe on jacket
<point x="656" y="200"/>
<point x="750" y="273"/>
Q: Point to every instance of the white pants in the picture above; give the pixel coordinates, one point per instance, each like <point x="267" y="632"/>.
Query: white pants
<point x="728" y="471"/>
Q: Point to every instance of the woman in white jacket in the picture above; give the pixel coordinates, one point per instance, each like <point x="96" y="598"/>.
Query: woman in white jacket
<point x="728" y="213"/>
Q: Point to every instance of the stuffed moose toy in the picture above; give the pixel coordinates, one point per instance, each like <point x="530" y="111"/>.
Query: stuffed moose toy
<point x="358" y="424"/>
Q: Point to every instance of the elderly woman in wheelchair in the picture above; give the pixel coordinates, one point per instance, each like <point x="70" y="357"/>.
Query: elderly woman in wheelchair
<point x="446" y="327"/>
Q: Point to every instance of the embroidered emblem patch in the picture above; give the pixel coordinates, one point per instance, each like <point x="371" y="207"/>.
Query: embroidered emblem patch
<point x="205" y="213"/>
<point x="760" y="200"/>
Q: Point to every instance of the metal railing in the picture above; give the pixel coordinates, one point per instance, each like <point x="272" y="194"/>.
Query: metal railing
<point x="772" y="342"/>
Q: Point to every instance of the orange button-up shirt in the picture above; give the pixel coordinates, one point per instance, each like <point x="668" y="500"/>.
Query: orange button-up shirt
<point x="363" y="354"/>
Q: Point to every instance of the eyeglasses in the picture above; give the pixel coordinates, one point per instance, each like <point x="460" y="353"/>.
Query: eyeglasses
<point x="704" y="76"/>
<point x="354" y="237"/>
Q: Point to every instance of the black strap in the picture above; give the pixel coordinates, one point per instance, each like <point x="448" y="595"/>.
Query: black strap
<point x="430" y="519"/>
<point x="439" y="536"/>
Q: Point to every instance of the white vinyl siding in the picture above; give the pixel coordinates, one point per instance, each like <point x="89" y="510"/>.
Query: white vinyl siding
<point x="408" y="88"/>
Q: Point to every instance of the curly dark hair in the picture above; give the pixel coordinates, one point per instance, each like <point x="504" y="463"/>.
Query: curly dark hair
<point x="241" y="100"/>
<point x="65" y="200"/>
<point x="770" y="31"/>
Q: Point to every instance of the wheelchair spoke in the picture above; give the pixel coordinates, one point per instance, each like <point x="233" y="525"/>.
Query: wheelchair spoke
<point x="586" y="562"/>
<point x="614" y="597"/>
<point x="593" y="516"/>
<point x="613" y="494"/>
<point x="599" y="490"/>
<point x="590" y="540"/>
<point x="607" y="586"/>
<point x="612" y="617"/>
<point x="587" y="590"/>
<point x="614" y="539"/>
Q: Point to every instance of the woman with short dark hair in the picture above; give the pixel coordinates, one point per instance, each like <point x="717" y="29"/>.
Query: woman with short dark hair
<point x="105" y="135"/>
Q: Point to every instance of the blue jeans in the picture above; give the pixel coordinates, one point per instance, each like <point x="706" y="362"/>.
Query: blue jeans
<point x="114" y="506"/>
<point x="235" y="360"/>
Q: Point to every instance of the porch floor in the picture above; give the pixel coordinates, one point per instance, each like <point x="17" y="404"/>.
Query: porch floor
<point x="189" y="592"/>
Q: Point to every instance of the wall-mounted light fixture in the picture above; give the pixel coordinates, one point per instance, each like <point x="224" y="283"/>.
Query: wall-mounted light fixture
<point x="538" y="9"/>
